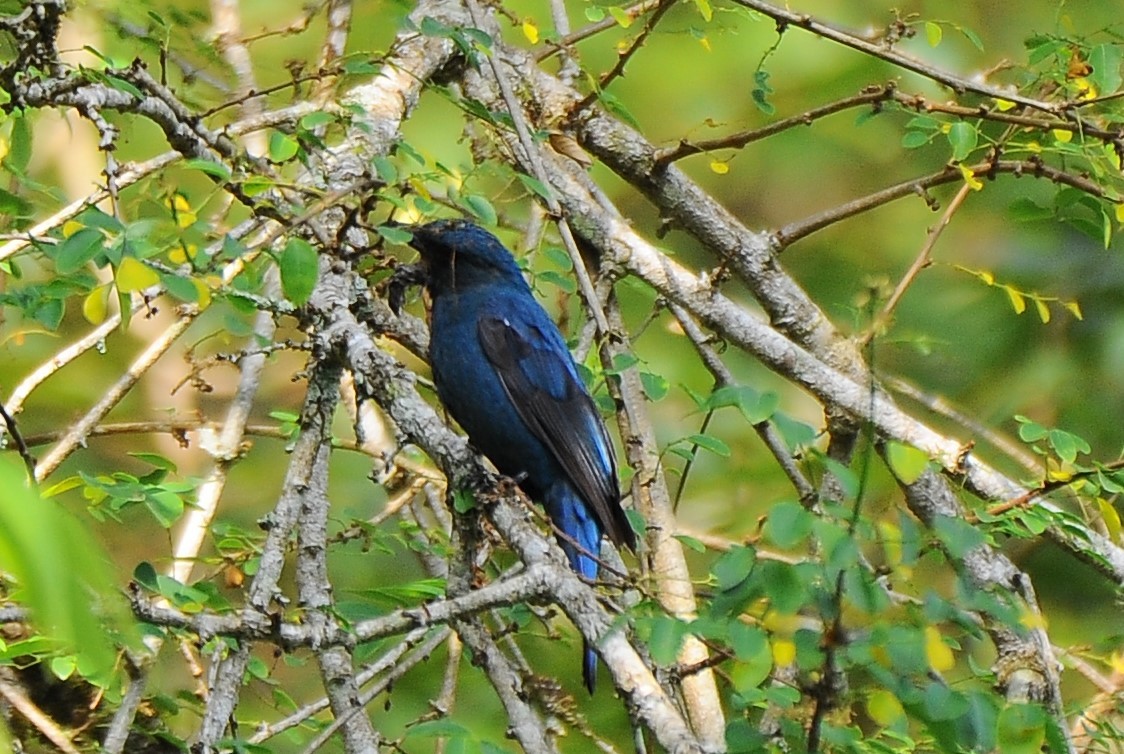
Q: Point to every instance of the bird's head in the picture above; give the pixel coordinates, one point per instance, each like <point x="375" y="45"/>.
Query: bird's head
<point x="458" y="254"/>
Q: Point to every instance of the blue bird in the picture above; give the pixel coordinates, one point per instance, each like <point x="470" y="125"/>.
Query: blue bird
<point x="503" y="371"/>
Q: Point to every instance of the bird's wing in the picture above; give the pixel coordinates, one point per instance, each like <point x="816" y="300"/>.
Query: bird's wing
<point x="537" y="373"/>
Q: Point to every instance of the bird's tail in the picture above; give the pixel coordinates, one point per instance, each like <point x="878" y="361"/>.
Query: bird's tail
<point x="581" y="541"/>
<point x="589" y="667"/>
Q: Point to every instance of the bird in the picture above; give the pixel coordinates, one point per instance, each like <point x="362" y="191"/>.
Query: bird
<point x="502" y="370"/>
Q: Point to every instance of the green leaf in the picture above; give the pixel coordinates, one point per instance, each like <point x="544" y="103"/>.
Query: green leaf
<point x="13" y="205"/>
<point x="145" y="575"/>
<point x="19" y="147"/>
<point x="1030" y="431"/>
<point x="1068" y="445"/>
<point x="958" y="536"/>
<point x="942" y="703"/>
<point x="1021" y="729"/>
<point x="63" y="667"/>
<point x="1025" y="209"/>
<point x="666" y="638"/>
<point x="213" y="169"/>
<point x="394" y="234"/>
<point x="963" y="137"/>
<point x="282" y="147"/>
<point x="463" y="500"/>
<point x="360" y="68"/>
<point x="61" y="575"/>
<point x="166" y="507"/>
<point x="155" y="459"/>
<point x="846" y="477"/>
<point x="558" y="280"/>
<point x="915" y="139"/>
<point x="300" y="269"/>
<point x="180" y="287"/>
<point x="317" y="119"/>
<point x="1105" y="60"/>
<point x="439" y="728"/>
<point x="256" y="185"/>
<point x="788" y="525"/>
<point x="386" y="169"/>
<point x="535" y="186"/>
<point x="755" y="407"/>
<point x="481" y="208"/>
<point x="906" y="461"/>
<point x="690" y="542"/>
<point x="655" y="386"/>
<point x="81" y="247"/>
<point x="481" y="38"/>
<point x="796" y="434"/>
<point x="623" y="362"/>
<point x="785" y="586"/>
<point x="972" y="37"/>
<point x="751" y="645"/>
<point x="124" y="86"/>
<point x="709" y="443"/>
<point x="734" y="566"/>
<point x="617" y="108"/>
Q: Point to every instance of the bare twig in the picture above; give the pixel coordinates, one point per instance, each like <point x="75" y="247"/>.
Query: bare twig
<point x="77" y="433"/>
<point x="609" y="22"/>
<point x="765" y="430"/>
<point x="869" y="96"/>
<point x="786" y="18"/>
<point x="622" y="58"/>
<point x="920" y="262"/>
<point x="17" y="438"/>
<point x="793" y="232"/>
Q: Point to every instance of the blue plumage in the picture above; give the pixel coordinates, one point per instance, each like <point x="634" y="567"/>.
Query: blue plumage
<point x="503" y="371"/>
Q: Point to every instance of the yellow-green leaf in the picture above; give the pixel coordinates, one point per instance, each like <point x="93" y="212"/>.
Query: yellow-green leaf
<point x="784" y="652"/>
<point x="704" y="9"/>
<point x="933" y="33"/>
<point x="96" y="304"/>
<point x="1018" y="301"/>
<point x="970" y="178"/>
<point x="621" y="16"/>
<point x="135" y="275"/>
<point x="907" y="462"/>
<point x="530" y="31"/>
<point x="1043" y="310"/>
<point x="204" y="293"/>
<point x="1074" y="308"/>
<point x="938" y="654"/>
<point x="1111" y="519"/>
<point x="719" y="167"/>
<point x="884" y="708"/>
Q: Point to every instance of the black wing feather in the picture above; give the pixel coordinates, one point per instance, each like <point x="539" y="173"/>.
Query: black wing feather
<point x="554" y="405"/>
